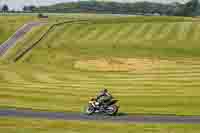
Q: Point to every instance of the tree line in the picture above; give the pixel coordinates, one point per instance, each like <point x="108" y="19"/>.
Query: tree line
<point x="4" y="8"/>
<point x="191" y="8"/>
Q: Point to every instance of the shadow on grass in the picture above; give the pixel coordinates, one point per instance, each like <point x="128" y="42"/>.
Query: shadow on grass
<point x="104" y="114"/>
<point x="122" y="114"/>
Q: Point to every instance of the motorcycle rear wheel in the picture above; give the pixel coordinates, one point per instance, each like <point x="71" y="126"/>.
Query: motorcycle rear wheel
<point x="112" y="110"/>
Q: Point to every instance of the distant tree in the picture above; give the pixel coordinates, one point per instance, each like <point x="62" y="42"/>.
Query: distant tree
<point x="140" y="8"/>
<point x="25" y="8"/>
<point x="13" y="11"/>
<point x="190" y="7"/>
<point x="28" y="8"/>
<point x="40" y="15"/>
<point x="5" y="8"/>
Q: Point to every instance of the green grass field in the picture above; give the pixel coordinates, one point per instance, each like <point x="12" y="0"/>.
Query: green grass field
<point x="9" y="24"/>
<point x="13" y="125"/>
<point x="150" y="64"/>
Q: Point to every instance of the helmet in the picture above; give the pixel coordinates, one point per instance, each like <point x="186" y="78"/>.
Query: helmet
<point x="105" y="90"/>
<point x="93" y="99"/>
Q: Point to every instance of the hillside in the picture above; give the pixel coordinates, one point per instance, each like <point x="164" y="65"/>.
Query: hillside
<point x="146" y="62"/>
<point x="9" y="24"/>
<point x="110" y="7"/>
<point x="163" y="37"/>
<point x="136" y="8"/>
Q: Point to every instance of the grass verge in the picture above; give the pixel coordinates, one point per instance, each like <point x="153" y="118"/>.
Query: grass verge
<point x="13" y="125"/>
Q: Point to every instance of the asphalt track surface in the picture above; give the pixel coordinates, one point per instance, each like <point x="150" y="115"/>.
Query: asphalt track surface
<point x="83" y="117"/>
<point x="17" y="35"/>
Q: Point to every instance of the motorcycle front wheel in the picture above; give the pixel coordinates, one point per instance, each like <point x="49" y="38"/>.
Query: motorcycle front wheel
<point x="90" y="109"/>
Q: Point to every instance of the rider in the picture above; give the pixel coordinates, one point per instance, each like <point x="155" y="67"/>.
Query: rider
<point x="103" y="97"/>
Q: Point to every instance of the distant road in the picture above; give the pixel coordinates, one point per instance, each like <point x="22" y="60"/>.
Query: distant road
<point x="17" y="35"/>
<point x="76" y="116"/>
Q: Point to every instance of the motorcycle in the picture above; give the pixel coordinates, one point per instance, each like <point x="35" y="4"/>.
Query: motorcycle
<point x="110" y="109"/>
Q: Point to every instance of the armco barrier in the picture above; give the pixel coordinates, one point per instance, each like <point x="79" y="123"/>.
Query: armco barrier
<point x="26" y="50"/>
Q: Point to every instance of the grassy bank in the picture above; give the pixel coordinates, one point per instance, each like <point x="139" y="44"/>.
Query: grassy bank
<point x="13" y="125"/>
<point x="147" y="63"/>
<point x="9" y="24"/>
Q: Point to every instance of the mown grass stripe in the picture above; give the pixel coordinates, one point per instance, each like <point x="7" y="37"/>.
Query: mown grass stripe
<point x="196" y="35"/>
<point x="129" y="32"/>
<point x="117" y="29"/>
<point x="146" y="31"/>
<point x="88" y="35"/>
<point x="166" y="31"/>
<point x="139" y="31"/>
<point x="110" y="31"/>
<point x="173" y="33"/>
<point x="120" y="34"/>
<point x="191" y="32"/>
<point x="184" y="30"/>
